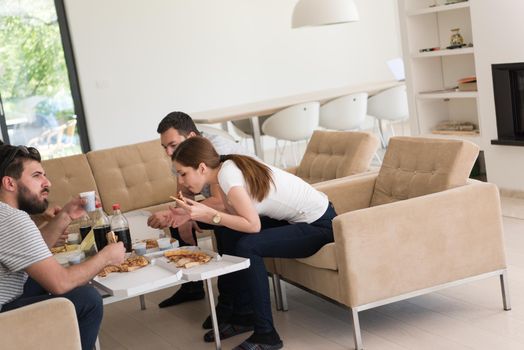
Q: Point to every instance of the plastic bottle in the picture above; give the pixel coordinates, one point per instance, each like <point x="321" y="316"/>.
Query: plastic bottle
<point x="120" y="227"/>
<point x="102" y="227"/>
<point x="85" y="226"/>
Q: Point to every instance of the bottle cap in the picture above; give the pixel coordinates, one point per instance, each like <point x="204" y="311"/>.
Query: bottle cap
<point x="116" y="206"/>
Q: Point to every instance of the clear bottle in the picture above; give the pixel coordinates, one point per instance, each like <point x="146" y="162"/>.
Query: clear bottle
<point x="85" y="226"/>
<point x="120" y="227"/>
<point x="102" y="227"/>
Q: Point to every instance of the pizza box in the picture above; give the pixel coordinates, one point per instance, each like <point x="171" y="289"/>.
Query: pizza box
<point x="219" y="265"/>
<point x="152" y="277"/>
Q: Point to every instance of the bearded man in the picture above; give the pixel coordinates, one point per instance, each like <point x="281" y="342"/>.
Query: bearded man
<point x="28" y="271"/>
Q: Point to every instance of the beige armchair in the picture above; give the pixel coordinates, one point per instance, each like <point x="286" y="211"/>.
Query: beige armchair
<point x="46" y="325"/>
<point x="333" y="154"/>
<point x="417" y="226"/>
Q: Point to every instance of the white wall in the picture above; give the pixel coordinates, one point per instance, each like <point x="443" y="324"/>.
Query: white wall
<point x="497" y="33"/>
<point x="139" y="60"/>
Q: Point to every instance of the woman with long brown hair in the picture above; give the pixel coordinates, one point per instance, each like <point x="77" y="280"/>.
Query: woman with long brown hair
<point x="269" y="213"/>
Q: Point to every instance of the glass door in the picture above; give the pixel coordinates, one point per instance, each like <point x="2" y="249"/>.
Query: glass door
<point x="38" y="108"/>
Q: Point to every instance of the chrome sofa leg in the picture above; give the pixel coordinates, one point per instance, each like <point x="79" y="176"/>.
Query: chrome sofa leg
<point x="277" y="290"/>
<point x="505" y="290"/>
<point x="280" y="293"/>
<point x="357" y="336"/>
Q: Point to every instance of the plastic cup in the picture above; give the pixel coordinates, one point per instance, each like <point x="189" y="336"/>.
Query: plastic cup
<point x="164" y="243"/>
<point x="90" y="199"/>
<point x="139" y="248"/>
<point x="73" y="238"/>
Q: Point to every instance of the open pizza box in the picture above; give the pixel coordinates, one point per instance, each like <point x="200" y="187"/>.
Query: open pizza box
<point x="161" y="273"/>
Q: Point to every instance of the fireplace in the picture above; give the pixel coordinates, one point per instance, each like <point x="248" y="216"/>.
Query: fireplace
<point x="508" y="90"/>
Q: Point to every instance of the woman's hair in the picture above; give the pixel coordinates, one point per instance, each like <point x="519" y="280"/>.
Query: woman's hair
<point x="196" y="150"/>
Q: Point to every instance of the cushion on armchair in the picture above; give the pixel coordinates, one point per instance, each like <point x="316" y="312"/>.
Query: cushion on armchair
<point x="416" y="166"/>
<point x="334" y="154"/>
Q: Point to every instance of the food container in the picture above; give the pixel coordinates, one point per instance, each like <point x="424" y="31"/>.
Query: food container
<point x="139" y="248"/>
<point x="75" y="257"/>
<point x="164" y="243"/>
<point x="73" y="238"/>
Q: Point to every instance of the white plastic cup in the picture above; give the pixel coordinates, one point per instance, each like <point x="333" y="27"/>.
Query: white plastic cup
<point x="73" y="238"/>
<point x="90" y="200"/>
<point x="164" y="243"/>
<point x="139" y="248"/>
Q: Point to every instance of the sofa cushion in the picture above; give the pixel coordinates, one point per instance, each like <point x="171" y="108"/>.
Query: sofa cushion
<point x="333" y="154"/>
<point x="69" y="176"/>
<point x="135" y="176"/>
<point x="325" y="258"/>
<point x="416" y="166"/>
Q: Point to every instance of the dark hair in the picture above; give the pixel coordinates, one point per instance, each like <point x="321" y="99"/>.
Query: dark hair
<point x="179" y="121"/>
<point x="196" y="150"/>
<point x="13" y="157"/>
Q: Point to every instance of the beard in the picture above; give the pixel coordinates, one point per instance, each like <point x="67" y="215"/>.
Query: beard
<point x="29" y="202"/>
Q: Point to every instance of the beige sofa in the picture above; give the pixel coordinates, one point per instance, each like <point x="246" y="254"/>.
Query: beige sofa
<point x="137" y="176"/>
<point x="415" y="227"/>
<point x="45" y="325"/>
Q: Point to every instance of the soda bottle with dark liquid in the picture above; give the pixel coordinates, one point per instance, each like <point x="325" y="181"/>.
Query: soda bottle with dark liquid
<point x="102" y="227"/>
<point x="85" y="226"/>
<point x="120" y="227"/>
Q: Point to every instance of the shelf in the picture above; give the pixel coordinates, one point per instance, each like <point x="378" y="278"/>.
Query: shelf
<point x="444" y="52"/>
<point x="436" y="9"/>
<point x="447" y="95"/>
<point x="472" y="138"/>
<point x="455" y="132"/>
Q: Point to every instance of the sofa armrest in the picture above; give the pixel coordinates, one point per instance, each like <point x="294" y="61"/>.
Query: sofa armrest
<point x="400" y="247"/>
<point x="49" y="324"/>
<point x="350" y="192"/>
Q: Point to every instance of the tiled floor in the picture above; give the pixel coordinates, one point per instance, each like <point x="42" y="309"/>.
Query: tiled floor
<point x="465" y="317"/>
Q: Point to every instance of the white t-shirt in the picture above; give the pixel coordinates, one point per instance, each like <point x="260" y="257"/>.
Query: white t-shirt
<point x="21" y="245"/>
<point x="223" y="146"/>
<point x="291" y="198"/>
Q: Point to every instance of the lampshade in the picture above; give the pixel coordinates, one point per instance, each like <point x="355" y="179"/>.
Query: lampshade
<point x="323" y="12"/>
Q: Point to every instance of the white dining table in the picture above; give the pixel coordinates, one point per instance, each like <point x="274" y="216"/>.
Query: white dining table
<point x="255" y="109"/>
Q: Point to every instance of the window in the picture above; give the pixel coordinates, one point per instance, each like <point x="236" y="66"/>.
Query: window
<point x="40" y="103"/>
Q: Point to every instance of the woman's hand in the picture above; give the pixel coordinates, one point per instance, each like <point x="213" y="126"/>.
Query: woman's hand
<point x="196" y="211"/>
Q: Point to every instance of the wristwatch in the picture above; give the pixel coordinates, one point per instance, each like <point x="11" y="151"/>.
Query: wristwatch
<point x="217" y="218"/>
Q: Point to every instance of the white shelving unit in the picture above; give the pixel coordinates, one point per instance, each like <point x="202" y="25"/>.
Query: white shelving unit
<point x="431" y="76"/>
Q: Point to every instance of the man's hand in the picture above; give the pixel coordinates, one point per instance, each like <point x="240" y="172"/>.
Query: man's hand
<point x="75" y="208"/>
<point x="160" y="219"/>
<point x="186" y="232"/>
<point x="114" y="253"/>
<point x="62" y="239"/>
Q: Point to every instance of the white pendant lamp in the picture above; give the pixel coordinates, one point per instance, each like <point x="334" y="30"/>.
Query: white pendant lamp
<point x="323" y="12"/>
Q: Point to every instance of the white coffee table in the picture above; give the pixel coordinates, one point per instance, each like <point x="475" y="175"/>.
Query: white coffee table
<point x="160" y="275"/>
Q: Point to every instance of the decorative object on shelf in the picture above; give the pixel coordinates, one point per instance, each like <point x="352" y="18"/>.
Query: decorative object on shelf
<point x="451" y="127"/>
<point x="467" y="84"/>
<point x="323" y="12"/>
<point x="456" y="39"/>
<point x="429" y="49"/>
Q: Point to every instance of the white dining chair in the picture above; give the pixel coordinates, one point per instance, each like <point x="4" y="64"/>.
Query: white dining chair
<point x="345" y="113"/>
<point x="390" y="105"/>
<point x="295" y="123"/>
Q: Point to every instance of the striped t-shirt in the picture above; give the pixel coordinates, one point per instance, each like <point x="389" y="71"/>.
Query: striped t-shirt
<point x="21" y="245"/>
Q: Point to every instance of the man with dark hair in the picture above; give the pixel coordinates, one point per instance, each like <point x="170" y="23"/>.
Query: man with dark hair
<point x="28" y="271"/>
<point x="174" y="129"/>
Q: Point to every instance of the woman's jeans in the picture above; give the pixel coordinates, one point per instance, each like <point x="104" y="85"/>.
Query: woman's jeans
<point x="277" y="239"/>
<point x="87" y="302"/>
